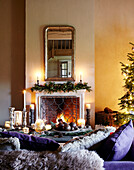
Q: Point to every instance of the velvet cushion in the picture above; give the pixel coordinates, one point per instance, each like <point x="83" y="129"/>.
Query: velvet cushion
<point x="132" y="151"/>
<point x="31" y="142"/>
<point x="118" y="144"/>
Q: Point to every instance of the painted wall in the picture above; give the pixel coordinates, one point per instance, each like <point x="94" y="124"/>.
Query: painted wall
<point x="11" y="56"/>
<point x="60" y="12"/>
<point x="114" y="29"/>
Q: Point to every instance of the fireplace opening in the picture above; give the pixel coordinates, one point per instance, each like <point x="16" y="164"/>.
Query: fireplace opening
<point x="60" y="107"/>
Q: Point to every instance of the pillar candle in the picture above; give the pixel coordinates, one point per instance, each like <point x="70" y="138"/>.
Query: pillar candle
<point x="81" y="122"/>
<point x="24" y="100"/>
<point x="80" y="76"/>
<point x="88" y="106"/>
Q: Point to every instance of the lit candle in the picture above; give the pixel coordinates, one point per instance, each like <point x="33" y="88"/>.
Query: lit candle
<point x="24" y="100"/>
<point x="39" y="125"/>
<point x="88" y="106"/>
<point x="26" y="130"/>
<point x="81" y="122"/>
<point x="32" y="106"/>
<point x="38" y="76"/>
<point x="80" y="77"/>
<point x="48" y="127"/>
<point x="7" y="124"/>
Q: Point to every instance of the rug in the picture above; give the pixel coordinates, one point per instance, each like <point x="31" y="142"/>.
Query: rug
<point x="32" y="160"/>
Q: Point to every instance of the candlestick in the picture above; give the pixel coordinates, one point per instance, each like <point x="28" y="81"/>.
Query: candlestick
<point x="88" y="107"/>
<point x="11" y="110"/>
<point x="24" y="118"/>
<point x="31" y="114"/>
<point x="24" y="109"/>
<point x="37" y="80"/>
<point x="38" y="76"/>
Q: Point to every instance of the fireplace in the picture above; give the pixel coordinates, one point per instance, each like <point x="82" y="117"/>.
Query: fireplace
<point x="68" y="106"/>
<point x="60" y="107"/>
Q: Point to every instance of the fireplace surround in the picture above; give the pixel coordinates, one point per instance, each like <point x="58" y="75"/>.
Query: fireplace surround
<point x="42" y="111"/>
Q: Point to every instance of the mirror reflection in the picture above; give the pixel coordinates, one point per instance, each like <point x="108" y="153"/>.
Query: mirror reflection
<point x="59" y="53"/>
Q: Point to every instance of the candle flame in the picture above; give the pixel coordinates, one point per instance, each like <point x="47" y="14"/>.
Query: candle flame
<point x="24" y="91"/>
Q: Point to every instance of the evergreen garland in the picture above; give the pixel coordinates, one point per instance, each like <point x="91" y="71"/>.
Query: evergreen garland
<point x="127" y="101"/>
<point x="51" y="87"/>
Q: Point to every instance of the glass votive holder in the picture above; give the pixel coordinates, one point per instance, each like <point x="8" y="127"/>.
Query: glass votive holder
<point x="26" y="130"/>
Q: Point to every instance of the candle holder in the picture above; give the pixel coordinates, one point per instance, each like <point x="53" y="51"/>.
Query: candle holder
<point x="11" y="110"/>
<point x="24" y="118"/>
<point x="37" y="81"/>
<point x="88" y="118"/>
<point x="31" y="114"/>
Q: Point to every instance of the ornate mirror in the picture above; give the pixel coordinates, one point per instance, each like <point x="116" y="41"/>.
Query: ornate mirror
<point x="59" y="53"/>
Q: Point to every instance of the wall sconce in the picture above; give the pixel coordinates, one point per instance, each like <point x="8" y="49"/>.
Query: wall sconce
<point x="88" y="108"/>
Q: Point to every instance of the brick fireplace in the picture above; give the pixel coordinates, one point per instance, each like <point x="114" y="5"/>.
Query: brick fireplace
<point x="68" y="105"/>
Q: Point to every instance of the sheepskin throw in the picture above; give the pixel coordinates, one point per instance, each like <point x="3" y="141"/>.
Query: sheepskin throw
<point x="32" y="160"/>
<point x="88" y="140"/>
<point x="9" y="143"/>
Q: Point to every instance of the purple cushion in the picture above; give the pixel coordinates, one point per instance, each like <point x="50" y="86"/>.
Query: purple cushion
<point x="119" y="165"/>
<point x="132" y="151"/>
<point x="31" y="142"/>
<point x="118" y="144"/>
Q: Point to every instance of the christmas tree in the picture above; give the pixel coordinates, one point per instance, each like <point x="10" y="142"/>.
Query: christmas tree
<point x="127" y="101"/>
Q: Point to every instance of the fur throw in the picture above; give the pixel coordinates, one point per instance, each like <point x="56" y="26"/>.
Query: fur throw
<point x="13" y="142"/>
<point x="88" y="140"/>
<point x="31" y="160"/>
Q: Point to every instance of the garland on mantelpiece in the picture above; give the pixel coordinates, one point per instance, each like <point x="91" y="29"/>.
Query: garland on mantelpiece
<point x="51" y="87"/>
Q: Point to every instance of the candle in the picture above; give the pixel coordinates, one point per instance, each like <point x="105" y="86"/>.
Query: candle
<point x="24" y="100"/>
<point x="39" y="125"/>
<point x="80" y="77"/>
<point x="32" y="106"/>
<point x="88" y="106"/>
<point x="26" y="130"/>
<point x="7" y="124"/>
<point x="48" y="127"/>
<point x="81" y="122"/>
<point x="38" y="76"/>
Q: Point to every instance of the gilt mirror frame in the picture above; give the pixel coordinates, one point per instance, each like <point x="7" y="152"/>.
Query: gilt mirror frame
<point x="58" y="53"/>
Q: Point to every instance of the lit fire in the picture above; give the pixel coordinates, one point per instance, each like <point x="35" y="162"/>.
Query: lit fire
<point x="61" y="116"/>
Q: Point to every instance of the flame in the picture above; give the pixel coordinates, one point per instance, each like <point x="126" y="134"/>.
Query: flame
<point x="61" y="116"/>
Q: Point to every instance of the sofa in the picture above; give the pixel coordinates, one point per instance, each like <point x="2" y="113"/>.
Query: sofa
<point x="100" y="149"/>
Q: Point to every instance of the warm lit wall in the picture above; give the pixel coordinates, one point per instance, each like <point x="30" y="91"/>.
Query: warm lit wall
<point x="114" y="29"/>
<point x="11" y="56"/>
<point x="77" y="13"/>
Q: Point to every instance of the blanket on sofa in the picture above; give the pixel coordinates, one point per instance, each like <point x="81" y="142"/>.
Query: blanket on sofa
<point x="24" y="159"/>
